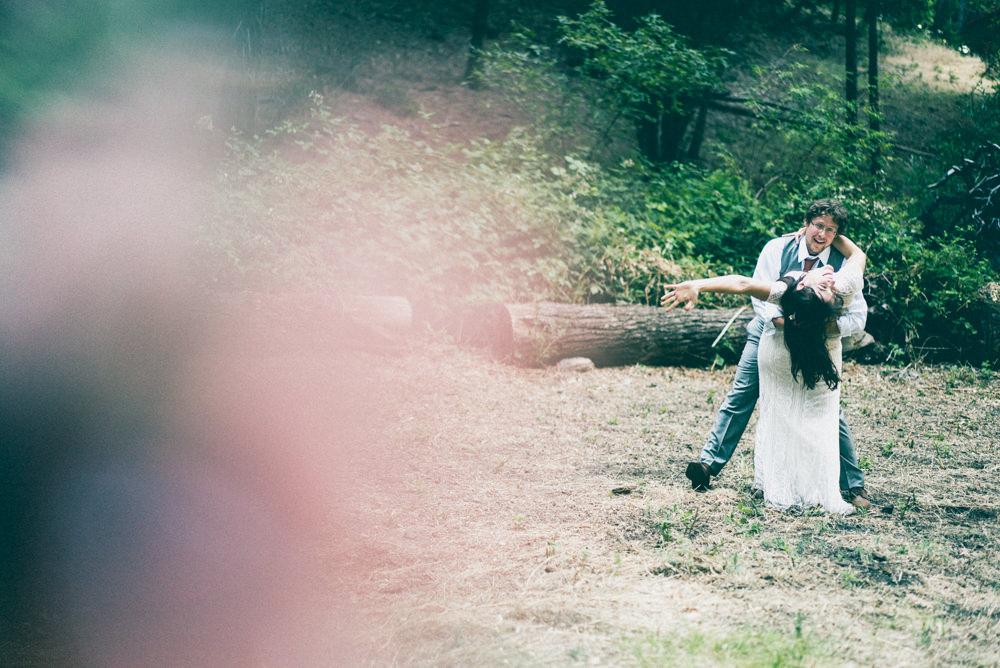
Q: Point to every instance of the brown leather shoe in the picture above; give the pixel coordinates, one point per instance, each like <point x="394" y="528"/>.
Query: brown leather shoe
<point x="859" y="498"/>
<point x="699" y="475"/>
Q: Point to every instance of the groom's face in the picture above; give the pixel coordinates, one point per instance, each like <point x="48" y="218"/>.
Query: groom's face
<point x="820" y="233"/>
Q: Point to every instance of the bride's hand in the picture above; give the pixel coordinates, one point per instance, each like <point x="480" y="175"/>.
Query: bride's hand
<point x="821" y="277"/>
<point x="799" y="233"/>
<point x="680" y="293"/>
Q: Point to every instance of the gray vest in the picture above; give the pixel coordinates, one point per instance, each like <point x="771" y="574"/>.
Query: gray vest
<point x="790" y="262"/>
<point x="790" y="258"/>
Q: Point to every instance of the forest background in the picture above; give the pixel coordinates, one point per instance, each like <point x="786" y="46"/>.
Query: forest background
<point x="194" y="475"/>
<point x="577" y="152"/>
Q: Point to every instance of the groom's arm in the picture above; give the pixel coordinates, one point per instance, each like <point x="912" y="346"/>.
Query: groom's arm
<point x="853" y="320"/>
<point x="768" y="269"/>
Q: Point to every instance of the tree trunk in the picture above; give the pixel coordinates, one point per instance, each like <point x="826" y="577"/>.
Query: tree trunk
<point x="871" y="16"/>
<point x="851" y="60"/>
<point x="610" y="335"/>
<point x="660" y="136"/>
<point x="284" y="321"/>
<point x="480" y="24"/>
<point x="529" y="334"/>
<point x="698" y="136"/>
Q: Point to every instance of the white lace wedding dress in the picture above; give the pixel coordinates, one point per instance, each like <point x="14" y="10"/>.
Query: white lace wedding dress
<point x="797" y="453"/>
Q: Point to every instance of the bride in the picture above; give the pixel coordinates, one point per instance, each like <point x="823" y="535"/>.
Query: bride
<point x="796" y="458"/>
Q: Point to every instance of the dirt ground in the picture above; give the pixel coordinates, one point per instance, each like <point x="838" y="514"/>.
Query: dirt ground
<point x="497" y="535"/>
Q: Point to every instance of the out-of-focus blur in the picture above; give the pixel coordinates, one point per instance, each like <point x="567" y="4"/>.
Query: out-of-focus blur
<point x="168" y="492"/>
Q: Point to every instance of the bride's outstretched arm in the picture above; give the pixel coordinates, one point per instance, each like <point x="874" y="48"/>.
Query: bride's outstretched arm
<point x="687" y="292"/>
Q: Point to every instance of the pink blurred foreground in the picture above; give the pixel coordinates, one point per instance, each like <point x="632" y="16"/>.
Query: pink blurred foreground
<point x="181" y="491"/>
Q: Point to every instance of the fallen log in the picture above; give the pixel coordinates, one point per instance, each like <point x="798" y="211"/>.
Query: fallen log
<point x="610" y="335"/>
<point x="529" y="334"/>
<point x="281" y="322"/>
<point x="615" y="335"/>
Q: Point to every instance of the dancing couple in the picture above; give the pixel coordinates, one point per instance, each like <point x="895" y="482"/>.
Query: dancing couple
<point x="806" y="293"/>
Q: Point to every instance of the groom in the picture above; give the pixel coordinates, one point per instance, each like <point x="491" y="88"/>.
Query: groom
<point x="824" y="219"/>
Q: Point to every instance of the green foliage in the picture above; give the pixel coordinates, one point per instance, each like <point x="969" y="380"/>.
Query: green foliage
<point x="799" y="140"/>
<point x="640" y="76"/>
<point x="709" y="213"/>
<point x="320" y="203"/>
<point x="650" y="70"/>
<point x="981" y="32"/>
<point x="966" y="201"/>
<point x="531" y="218"/>
<point x="931" y="292"/>
<point x="323" y="204"/>
<point x="565" y="112"/>
<point x="49" y="49"/>
<point x="908" y="14"/>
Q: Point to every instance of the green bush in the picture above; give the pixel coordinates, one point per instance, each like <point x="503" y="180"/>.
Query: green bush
<point x="320" y="204"/>
<point x="710" y="213"/>
<point x="566" y="113"/>
<point x="650" y="70"/>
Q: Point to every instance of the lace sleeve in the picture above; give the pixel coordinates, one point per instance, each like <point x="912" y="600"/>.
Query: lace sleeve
<point x="848" y="281"/>
<point x="778" y="289"/>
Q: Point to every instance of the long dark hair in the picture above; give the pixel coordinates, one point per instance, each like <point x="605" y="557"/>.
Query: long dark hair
<point x="806" y="317"/>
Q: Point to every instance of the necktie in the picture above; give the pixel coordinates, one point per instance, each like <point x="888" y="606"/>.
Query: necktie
<point x="809" y="263"/>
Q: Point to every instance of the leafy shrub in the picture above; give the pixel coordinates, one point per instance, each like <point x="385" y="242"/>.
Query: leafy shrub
<point x="564" y="112"/>
<point x="963" y="200"/>
<point x="799" y="135"/>
<point x="319" y="203"/>
<point x="708" y="213"/>
<point x="649" y="70"/>
<point x="650" y="75"/>
<point x="625" y="257"/>
<point x="931" y="292"/>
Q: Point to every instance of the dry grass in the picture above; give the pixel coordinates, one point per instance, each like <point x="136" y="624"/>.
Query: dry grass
<point x="939" y="67"/>
<point x="503" y="543"/>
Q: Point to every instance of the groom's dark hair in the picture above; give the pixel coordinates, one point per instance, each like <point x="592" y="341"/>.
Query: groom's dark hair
<point x="829" y="207"/>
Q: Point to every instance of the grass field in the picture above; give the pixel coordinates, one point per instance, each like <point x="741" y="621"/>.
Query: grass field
<point x="500" y="538"/>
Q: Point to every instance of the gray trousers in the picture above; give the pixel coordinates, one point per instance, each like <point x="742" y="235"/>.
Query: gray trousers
<point x="733" y="416"/>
